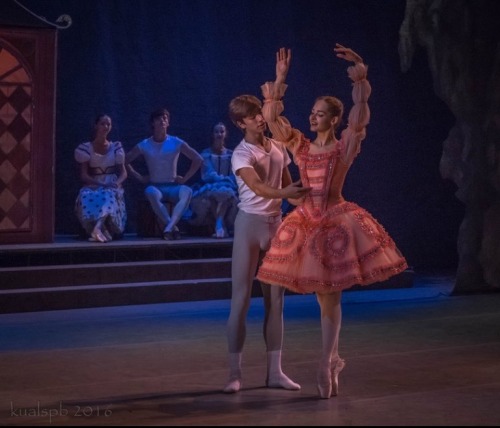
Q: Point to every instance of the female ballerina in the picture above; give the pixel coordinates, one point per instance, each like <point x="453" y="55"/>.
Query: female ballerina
<point x="215" y="201"/>
<point x="326" y="244"/>
<point x="100" y="205"/>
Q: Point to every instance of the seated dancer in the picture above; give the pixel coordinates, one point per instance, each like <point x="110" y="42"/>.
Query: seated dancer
<point x="100" y="205"/>
<point x="161" y="152"/>
<point x="215" y="200"/>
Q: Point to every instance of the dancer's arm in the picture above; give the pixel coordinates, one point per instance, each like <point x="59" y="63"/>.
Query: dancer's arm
<point x="196" y="162"/>
<point x="129" y="158"/>
<point x="273" y="93"/>
<point x="359" y="116"/>
<point x="120" y="164"/>
<point x="292" y="190"/>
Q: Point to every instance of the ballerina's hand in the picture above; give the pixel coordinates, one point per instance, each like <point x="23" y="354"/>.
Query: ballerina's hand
<point x="347" y="53"/>
<point x="283" y="58"/>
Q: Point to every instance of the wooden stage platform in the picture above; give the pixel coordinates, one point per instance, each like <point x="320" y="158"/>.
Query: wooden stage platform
<point x="73" y="273"/>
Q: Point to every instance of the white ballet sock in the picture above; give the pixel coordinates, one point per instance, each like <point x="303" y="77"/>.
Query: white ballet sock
<point x="234" y="383"/>
<point x="275" y="376"/>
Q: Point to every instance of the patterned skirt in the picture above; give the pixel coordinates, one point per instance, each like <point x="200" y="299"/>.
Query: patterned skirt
<point x="95" y="203"/>
<point x="205" y="200"/>
<point x="344" y="247"/>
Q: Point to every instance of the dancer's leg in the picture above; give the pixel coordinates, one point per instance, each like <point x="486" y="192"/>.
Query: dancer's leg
<point x="97" y="235"/>
<point x="244" y="264"/>
<point x="155" y="198"/>
<point x="331" y="319"/>
<point x="274" y="297"/>
<point x="184" y="195"/>
<point x="220" y="213"/>
<point x="273" y="336"/>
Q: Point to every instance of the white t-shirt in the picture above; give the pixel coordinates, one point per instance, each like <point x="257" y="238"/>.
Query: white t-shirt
<point x="161" y="158"/>
<point x="268" y="166"/>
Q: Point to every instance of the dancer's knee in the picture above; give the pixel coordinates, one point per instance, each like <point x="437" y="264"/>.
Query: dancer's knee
<point x="185" y="193"/>
<point x="151" y="193"/>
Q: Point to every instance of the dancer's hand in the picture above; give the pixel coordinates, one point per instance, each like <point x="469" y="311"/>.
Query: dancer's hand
<point x="283" y="59"/>
<point x="295" y="190"/>
<point x="347" y="53"/>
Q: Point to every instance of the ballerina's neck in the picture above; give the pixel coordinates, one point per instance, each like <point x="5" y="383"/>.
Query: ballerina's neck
<point x="321" y="144"/>
<point x="101" y="146"/>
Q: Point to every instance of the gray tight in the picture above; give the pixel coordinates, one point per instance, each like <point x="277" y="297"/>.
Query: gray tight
<point x="252" y="237"/>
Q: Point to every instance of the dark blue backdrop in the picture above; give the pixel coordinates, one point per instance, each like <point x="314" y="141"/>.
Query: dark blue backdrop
<point x="126" y="58"/>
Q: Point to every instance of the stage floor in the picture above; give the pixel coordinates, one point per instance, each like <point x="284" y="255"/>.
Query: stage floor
<point x="414" y="356"/>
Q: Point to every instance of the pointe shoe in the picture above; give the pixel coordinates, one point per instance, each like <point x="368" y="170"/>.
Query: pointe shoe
<point x="337" y="369"/>
<point x="232" y="386"/>
<point x="324" y="378"/>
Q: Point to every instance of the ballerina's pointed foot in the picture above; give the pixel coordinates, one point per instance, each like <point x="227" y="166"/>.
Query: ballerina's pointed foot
<point x="328" y="379"/>
<point x="337" y="369"/>
<point x="282" y="381"/>
<point x="324" y="382"/>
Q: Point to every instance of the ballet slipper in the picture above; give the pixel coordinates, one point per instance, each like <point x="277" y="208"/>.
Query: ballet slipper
<point x="233" y="386"/>
<point x="275" y="376"/>
<point x="220" y="230"/>
<point x="220" y="234"/>
<point x="107" y="234"/>
<point x="176" y="233"/>
<point x="282" y="381"/>
<point x="97" y="236"/>
<point x="234" y="383"/>
<point x="168" y="235"/>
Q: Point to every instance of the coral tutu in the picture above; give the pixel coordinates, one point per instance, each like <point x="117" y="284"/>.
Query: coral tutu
<point x="341" y="248"/>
